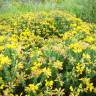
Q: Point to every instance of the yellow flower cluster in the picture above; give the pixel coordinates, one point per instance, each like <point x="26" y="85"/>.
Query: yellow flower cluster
<point x="4" y="61"/>
<point x="47" y="54"/>
<point x="89" y="86"/>
<point x="80" y="68"/>
<point x="49" y="83"/>
<point x="77" y="47"/>
<point x="32" y="88"/>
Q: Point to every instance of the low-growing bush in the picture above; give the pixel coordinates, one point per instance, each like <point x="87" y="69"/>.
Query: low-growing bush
<point x="47" y="54"/>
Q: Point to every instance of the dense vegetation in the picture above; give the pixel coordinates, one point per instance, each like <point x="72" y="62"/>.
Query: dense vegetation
<point x="85" y="9"/>
<point x="47" y="54"/>
<point x="47" y="48"/>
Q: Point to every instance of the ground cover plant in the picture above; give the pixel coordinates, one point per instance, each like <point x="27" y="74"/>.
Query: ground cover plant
<point x="47" y="54"/>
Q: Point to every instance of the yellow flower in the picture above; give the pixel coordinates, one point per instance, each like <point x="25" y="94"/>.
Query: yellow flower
<point x="89" y="87"/>
<point x="37" y="64"/>
<point x="86" y="56"/>
<point x="77" y="47"/>
<point x="20" y="65"/>
<point x="1" y="86"/>
<point x="5" y="60"/>
<point x="79" y="88"/>
<point x="2" y="38"/>
<point x="1" y="48"/>
<point x="49" y="83"/>
<point x="31" y="88"/>
<point x="47" y="71"/>
<point x="36" y="71"/>
<point x="13" y="45"/>
<point x="89" y="39"/>
<point x="93" y="47"/>
<point x="33" y="68"/>
<point x="71" y="88"/>
<point x="58" y="64"/>
<point x="80" y="68"/>
<point x="69" y="35"/>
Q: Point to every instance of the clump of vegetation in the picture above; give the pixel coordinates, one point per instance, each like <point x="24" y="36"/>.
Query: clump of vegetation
<point x="47" y="54"/>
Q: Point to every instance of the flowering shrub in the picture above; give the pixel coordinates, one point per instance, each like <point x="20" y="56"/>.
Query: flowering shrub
<point x="47" y="54"/>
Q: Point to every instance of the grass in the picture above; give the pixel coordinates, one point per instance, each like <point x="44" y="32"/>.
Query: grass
<point x="19" y="8"/>
<point x="85" y="9"/>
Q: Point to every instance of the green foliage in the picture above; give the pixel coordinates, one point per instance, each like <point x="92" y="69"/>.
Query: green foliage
<point x="84" y="9"/>
<point x="89" y="11"/>
<point x="47" y="54"/>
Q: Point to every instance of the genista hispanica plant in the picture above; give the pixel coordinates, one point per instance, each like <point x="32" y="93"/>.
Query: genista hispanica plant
<point x="47" y="54"/>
